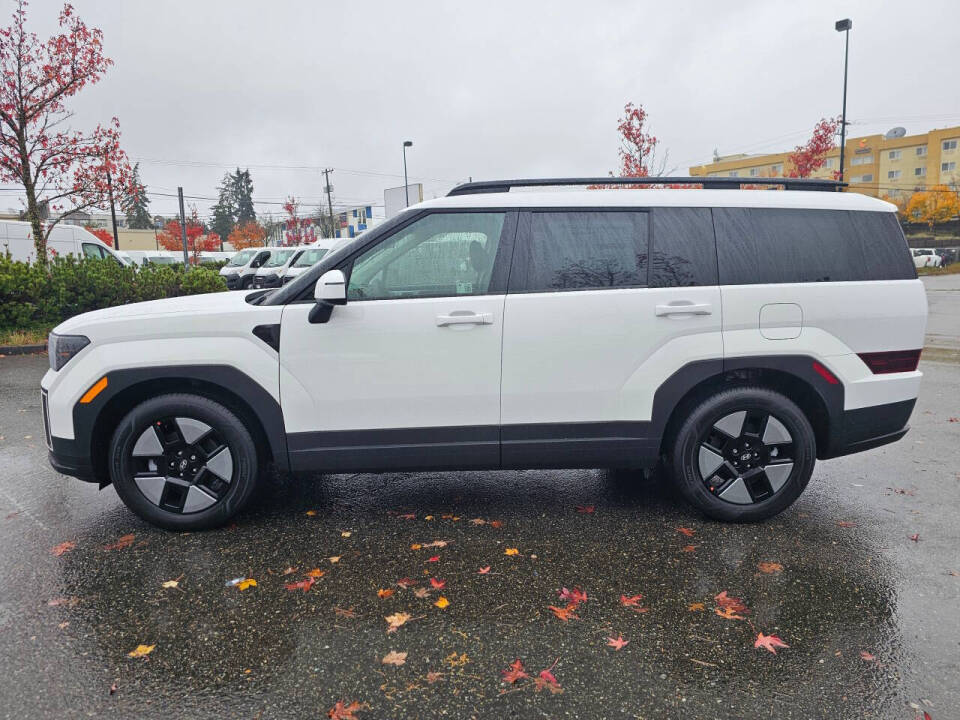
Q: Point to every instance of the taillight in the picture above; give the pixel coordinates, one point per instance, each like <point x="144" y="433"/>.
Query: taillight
<point x="895" y="361"/>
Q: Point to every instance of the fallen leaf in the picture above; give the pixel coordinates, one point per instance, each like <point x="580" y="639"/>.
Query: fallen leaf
<point x="170" y="584"/>
<point x="564" y="613"/>
<point x="394" y="658"/>
<point x="573" y="597"/>
<point x="728" y="614"/>
<point x="511" y="551"/>
<point x="311" y="513"/>
<point x="428" y="517"/>
<point x="113" y="689"/>
<point x="340" y="711"/>
<point x="396" y="620"/>
<point x="346" y="533"/>
<point x="246" y="583"/>
<point x="433" y="677"/>
<point x="302" y="585"/>
<point x="769" y="567"/>
<point x="63" y="601"/>
<point x="540" y="683"/>
<point x="123" y="542"/>
<point x="478" y="521"/>
<point x="334" y="558"/>
<point x="617" y="643"/>
<point x="349" y="613"/>
<point x="633" y="602"/>
<point x="484" y="570"/>
<point x="457" y="660"/>
<point x="686" y="531"/>
<point x="416" y="546"/>
<point x="514" y="672"/>
<point x="405" y="583"/>
<point x="289" y="571"/>
<point x="141" y="651"/>
<point x="448" y="516"/>
<point x="63" y="625"/>
<point x="689" y="548"/>
<point x="442" y="602"/>
<point x="316" y="573"/>
<point x="63" y="547"/>
<point x="864" y="655"/>
<point x="915" y="537"/>
<point x="436" y="543"/>
<point x="696" y="607"/>
<point x="846" y="524"/>
<point x="435" y="558"/>
<point x="728" y="602"/>
<point x="422" y="593"/>
<point x="496" y="524"/>
<point x="437" y="584"/>
<point x="384" y="593"/>
<point x="769" y="642"/>
<point x="585" y="509"/>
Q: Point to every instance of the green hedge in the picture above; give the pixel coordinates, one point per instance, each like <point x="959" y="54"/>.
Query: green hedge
<point x="32" y="295"/>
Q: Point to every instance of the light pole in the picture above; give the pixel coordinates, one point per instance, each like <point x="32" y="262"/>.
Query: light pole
<point x="406" y="189"/>
<point x="844" y="27"/>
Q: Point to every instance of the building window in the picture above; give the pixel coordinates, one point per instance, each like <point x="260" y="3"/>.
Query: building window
<point x="896" y="154"/>
<point x="920" y="172"/>
<point x="754" y="172"/>
<point x="862" y="160"/>
<point x="733" y="173"/>
<point x="712" y="174"/>
<point x="830" y="162"/>
<point x="893" y="174"/>
<point x="922" y="151"/>
<point x="948" y="167"/>
<point x="862" y="179"/>
<point x="777" y="169"/>
<point x="949" y="145"/>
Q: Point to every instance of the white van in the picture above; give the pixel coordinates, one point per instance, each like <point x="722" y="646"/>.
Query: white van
<point x="241" y="268"/>
<point x="270" y="273"/>
<point x="311" y="256"/>
<point x="17" y="239"/>
<point x="734" y="335"/>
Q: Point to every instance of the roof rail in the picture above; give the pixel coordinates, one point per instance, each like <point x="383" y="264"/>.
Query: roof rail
<point x="707" y="183"/>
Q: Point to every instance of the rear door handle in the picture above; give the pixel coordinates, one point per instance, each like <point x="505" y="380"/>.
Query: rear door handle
<point x="465" y="318"/>
<point x="684" y="308"/>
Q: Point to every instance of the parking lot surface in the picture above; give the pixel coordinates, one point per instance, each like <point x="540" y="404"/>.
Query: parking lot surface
<point x="860" y="578"/>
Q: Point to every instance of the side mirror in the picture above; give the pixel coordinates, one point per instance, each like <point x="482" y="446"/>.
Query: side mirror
<point x="331" y="288"/>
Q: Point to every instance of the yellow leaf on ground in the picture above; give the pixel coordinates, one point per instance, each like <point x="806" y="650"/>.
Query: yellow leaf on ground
<point x="169" y="584"/>
<point x="246" y="583"/>
<point x="696" y="607"/>
<point x="346" y="533"/>
<point x="442" y="602"/>
<point x="311" y="513"/>
<point x="316" y="573"/>
<point x="396" y="620"/>
<point x="384" y="593"/>
<point x="141" y="651"/>
<point x="457" y="660"/>
<point x="511" y="551"/>
<point x="769" y="567"/>
<point x="335" y="558"/>
<point x="416" y="546"/>
<point x="394" y="658"/>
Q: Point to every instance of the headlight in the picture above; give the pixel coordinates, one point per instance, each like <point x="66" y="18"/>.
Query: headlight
<point x="61" y="348"/>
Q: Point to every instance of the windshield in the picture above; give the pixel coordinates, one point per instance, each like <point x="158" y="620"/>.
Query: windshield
<point x="241" y="258"/>
<point x="162" y="260"/>
<point x="278" y="258"/>
<point x="310" y="257"/>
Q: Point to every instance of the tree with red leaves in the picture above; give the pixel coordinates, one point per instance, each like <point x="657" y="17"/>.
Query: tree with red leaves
<point x="61" y="170"/>
<point x="171" y="238"/>
<point x="810" y="157"/>
<point x="297" y="230"/>
<point x="638" y="148"/>
<point x="103" y="235"/>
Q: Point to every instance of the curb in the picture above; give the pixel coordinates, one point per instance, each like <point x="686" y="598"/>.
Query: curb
<point x="21" y="349"/>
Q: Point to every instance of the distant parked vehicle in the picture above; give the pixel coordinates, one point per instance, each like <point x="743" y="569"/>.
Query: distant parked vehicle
<point x="16" y="238"/>
<point x="926" y="257"/>
<point x="310" y="257"/>
<point x="948" y="256"/>
<point x="271" y="272"/>
<point x="241" y="268"/>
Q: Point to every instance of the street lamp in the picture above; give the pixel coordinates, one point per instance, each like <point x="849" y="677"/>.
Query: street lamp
<point x="406" y="190"/>
<point x="844" y="27"/>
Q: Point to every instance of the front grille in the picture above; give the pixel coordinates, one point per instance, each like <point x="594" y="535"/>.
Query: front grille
<point x="46" y="419"/>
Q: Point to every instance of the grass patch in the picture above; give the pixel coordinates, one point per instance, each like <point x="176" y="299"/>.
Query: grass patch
<point x="951" y="269"/>
<point x="25" y="336"/>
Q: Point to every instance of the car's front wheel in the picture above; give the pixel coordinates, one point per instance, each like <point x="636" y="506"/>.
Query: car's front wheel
<point x="183" y="462"/>
<point x="743" y="454"/>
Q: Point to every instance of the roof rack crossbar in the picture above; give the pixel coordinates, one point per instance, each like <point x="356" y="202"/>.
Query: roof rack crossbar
<point x="707" y="183"/>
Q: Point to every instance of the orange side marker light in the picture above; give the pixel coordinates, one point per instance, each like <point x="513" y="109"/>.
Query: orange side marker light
<point x="94" y="390"/>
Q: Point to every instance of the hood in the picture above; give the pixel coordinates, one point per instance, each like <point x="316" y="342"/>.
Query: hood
<point x="194" y="305"/>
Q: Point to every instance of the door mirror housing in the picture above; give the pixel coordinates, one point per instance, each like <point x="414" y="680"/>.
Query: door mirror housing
<point x="331" y="288"/>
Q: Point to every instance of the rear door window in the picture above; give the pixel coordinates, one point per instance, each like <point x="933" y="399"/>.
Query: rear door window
<point x="581" y="250"/>
<point x="684" y="250"/>
<point x="783" y="245"/>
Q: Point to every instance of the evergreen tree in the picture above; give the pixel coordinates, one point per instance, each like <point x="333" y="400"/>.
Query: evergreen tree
<point x="136" y="204"/>
<point x="242" y="187"/>
<point x="224" y="212"/>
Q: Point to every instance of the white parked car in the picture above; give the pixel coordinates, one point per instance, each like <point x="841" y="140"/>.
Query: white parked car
<point x="926" y="257"/>
<point x="271" y="272"/>
<point x="242" y="267"/>
<point x="17" y="239"/>
<point x="737" y="335"/>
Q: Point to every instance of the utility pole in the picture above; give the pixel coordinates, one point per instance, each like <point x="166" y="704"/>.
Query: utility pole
<point x="329" y="190"/>
<point x="844" y="27"/>
<point x="183" y="230"/>
<point x="406" y="185"/>
<point x="113" y="212"/>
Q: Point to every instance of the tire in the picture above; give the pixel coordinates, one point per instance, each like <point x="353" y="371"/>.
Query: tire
<point x="752" y="473"/>
<point x="246" y="283"/>
<point x="183" y="462"/>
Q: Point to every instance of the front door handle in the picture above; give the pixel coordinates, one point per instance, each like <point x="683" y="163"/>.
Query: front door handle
<point x="465" y="318"/>
<point x="684" y="308"/>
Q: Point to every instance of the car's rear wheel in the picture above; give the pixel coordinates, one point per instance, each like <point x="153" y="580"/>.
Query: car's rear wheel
<point x="743" y="454"/>
<point x="183" y="462"/>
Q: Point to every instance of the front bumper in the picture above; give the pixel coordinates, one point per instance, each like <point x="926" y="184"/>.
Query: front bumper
<point x="234" y="282"/>
<point x="66" y="458"/>
<point x="266" y="281"/>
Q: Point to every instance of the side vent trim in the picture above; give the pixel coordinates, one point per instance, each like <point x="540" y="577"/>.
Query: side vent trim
<point x="270" y="334"/>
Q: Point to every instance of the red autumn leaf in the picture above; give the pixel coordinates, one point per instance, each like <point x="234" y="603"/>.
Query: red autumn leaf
<point x="728" y="602"/>
<point x="437" y="584"/>
<point x="435" y="558"/>
<point x="384" y="593"/>
<point x="484" y="570"/>
<point x="342" y="711"/>
<point x="617" y="643"/>
<point x="689" y="548"/>
<point x="915" y="537"/>
<point x="769" y="642"/>
<point x="63" y="547"/>
<point x="564" y="613"/>
<point x="405" y="583"/>
<point x="304" y="585"/>
<point x="573" y="597"/>
<point x="633" y="602"/>
<point x="869" y="657"/>
<point x="846" y="524"/>
<point x="123" y="542"/>
<point x="495" y="524"/>
<point x="514" y="672"/>
<point x="686" y="531"/>
<point x="409" y="516"/>
<point x="585" y="509"/>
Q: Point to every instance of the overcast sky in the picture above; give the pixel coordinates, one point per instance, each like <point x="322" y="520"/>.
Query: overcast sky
<point x="491" y="89"/>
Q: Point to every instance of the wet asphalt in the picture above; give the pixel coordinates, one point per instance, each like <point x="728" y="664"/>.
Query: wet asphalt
<point x="870" y="615"/>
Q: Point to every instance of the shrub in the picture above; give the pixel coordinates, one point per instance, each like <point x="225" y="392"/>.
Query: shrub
<point x="34" y="296"/>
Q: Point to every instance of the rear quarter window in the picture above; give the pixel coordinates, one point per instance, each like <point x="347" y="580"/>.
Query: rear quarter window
<point x="780" y="245"/>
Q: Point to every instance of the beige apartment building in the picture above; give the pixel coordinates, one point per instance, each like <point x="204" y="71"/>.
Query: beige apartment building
<point x="877" y="165"/>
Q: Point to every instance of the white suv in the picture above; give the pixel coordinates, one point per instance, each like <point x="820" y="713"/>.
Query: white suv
<point x="736" y="335"/>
